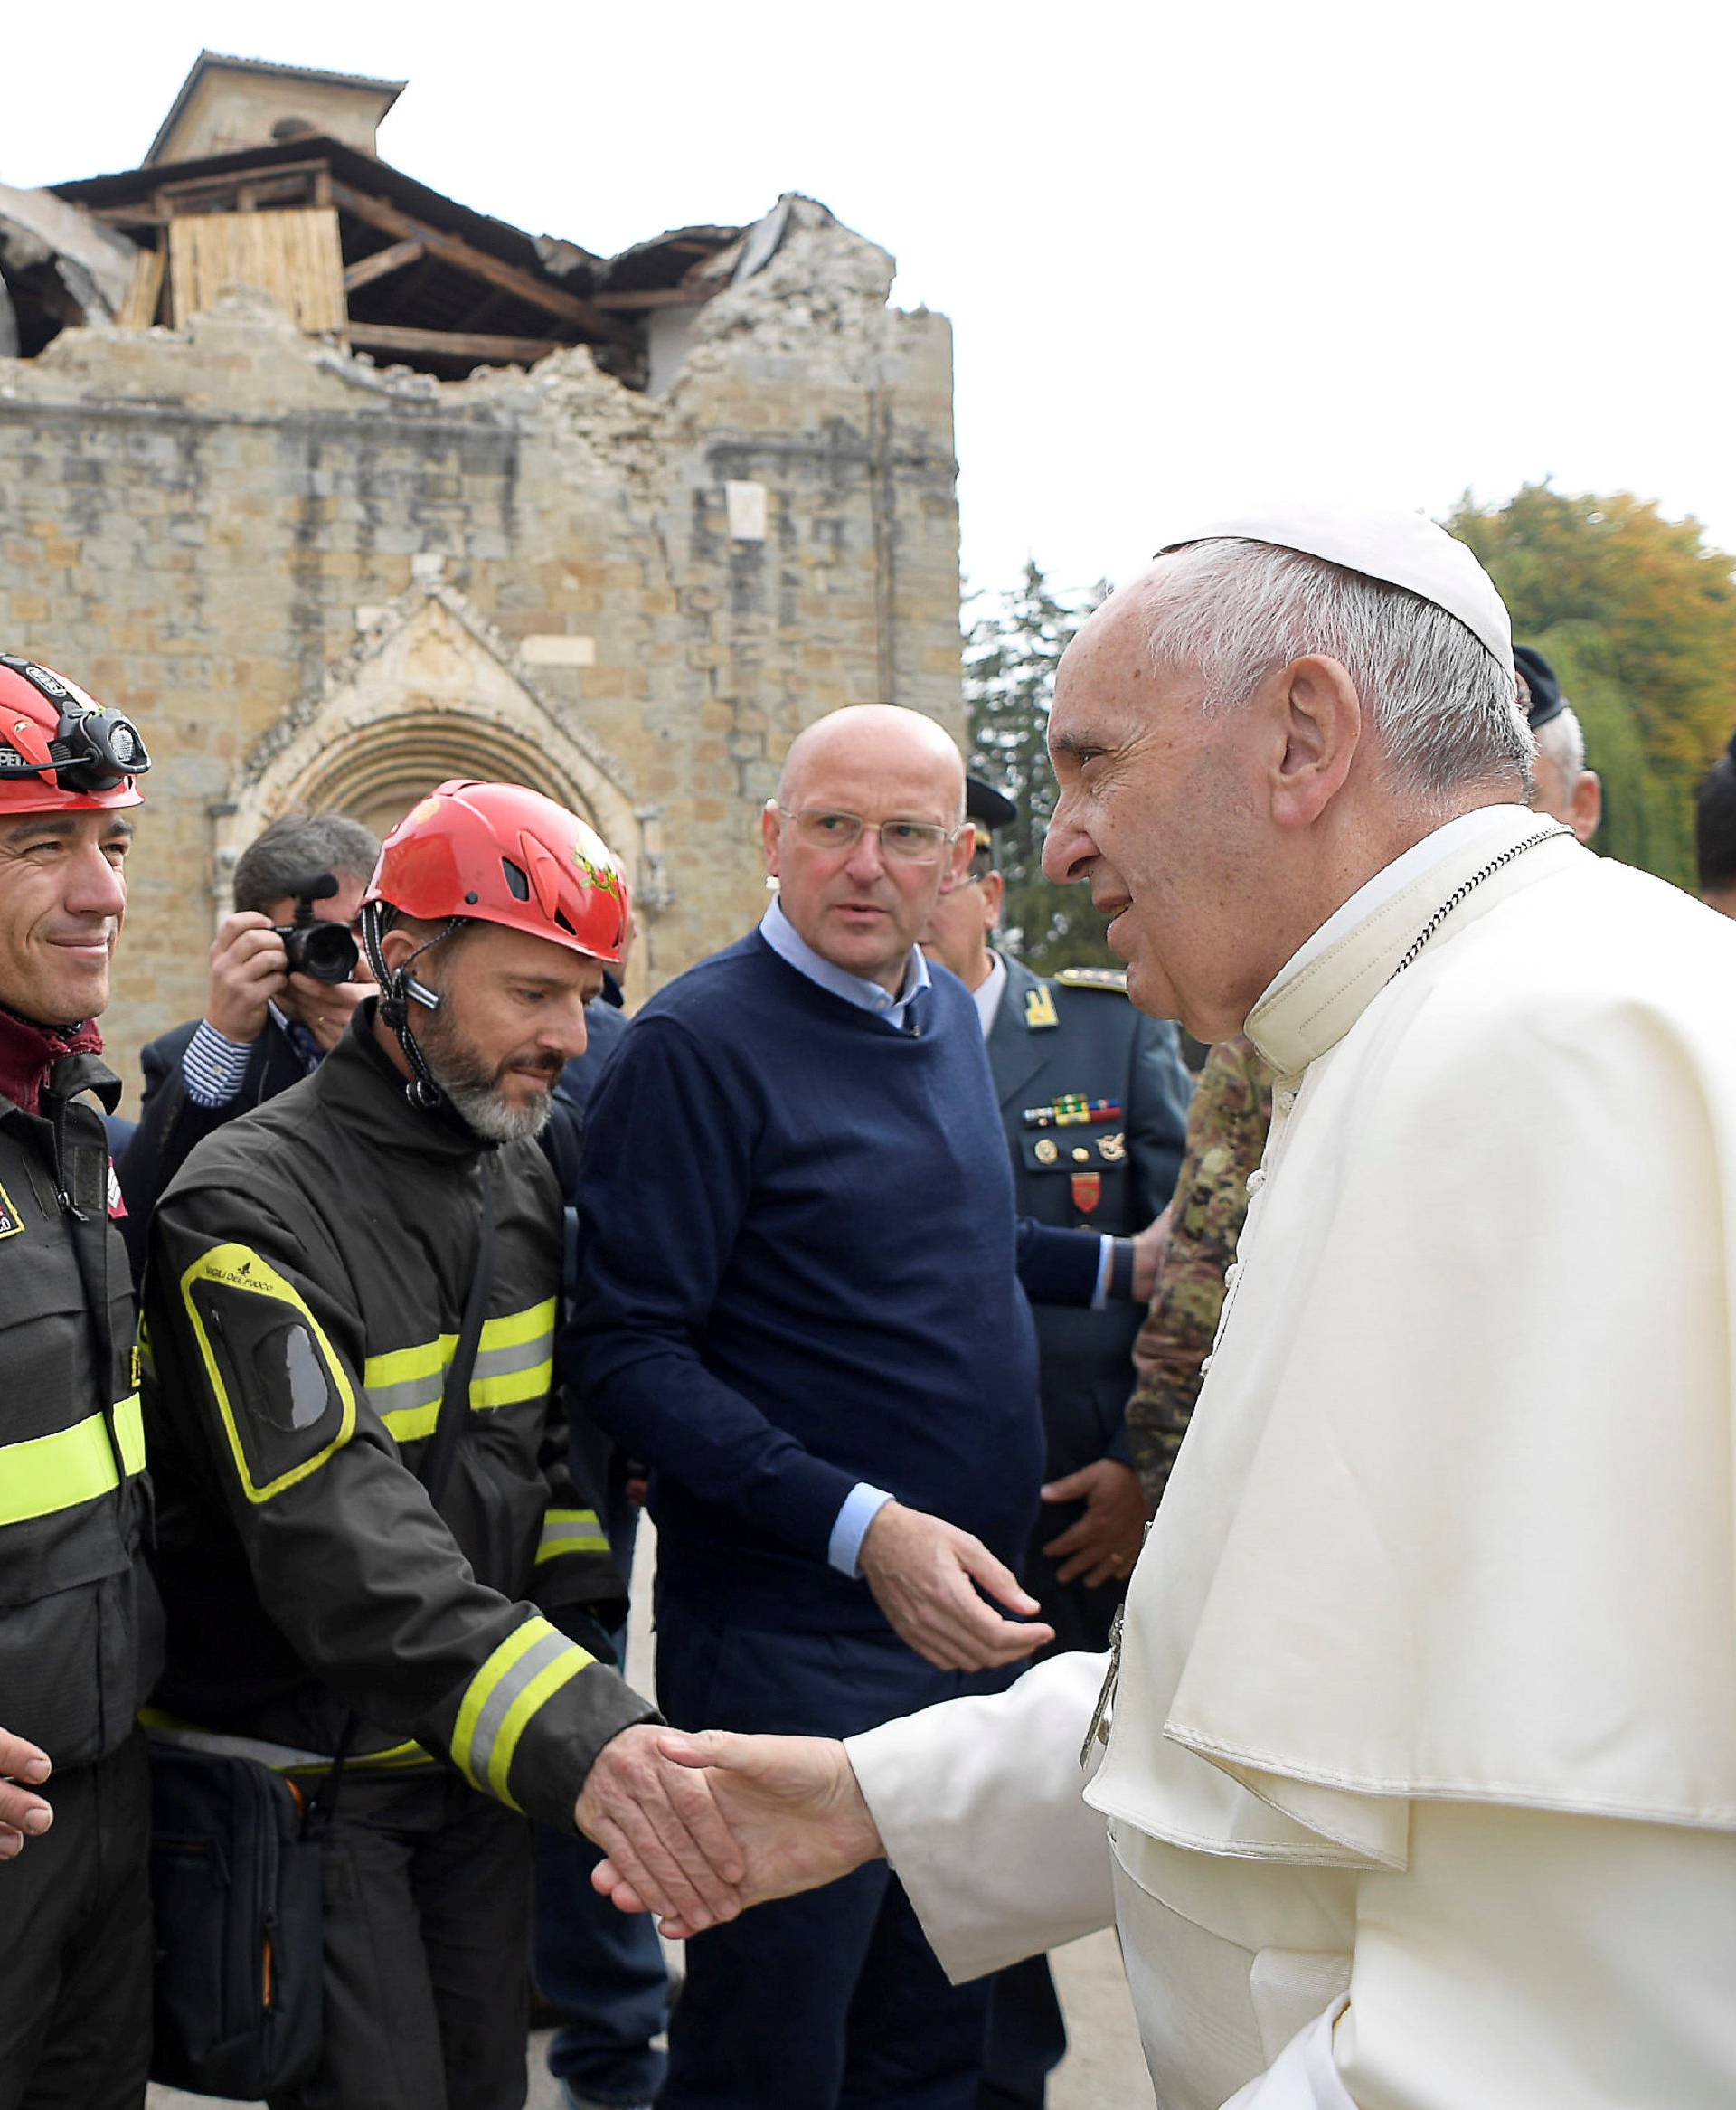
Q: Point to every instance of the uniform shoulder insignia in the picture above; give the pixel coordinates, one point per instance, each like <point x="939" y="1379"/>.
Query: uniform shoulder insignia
<point x="1094" y="977"/>
<point x="1040" y="1007"/>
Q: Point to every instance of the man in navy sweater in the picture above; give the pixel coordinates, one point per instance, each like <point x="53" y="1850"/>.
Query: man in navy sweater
<point x="798" y="1299"/>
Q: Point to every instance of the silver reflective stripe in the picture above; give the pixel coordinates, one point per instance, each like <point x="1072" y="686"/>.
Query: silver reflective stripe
<point x="406" y="1395"/>
<point x="549" y="1648"/>
<point x="526" y="1356"/>
<point x="280" y="1757"/>
<point x="559" y="1539"/>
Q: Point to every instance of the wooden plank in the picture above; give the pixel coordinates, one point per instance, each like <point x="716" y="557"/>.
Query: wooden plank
<point x="294" y="256"/>
<point x="139" y="310"/>
<point x="383" y="261"/>
<point x="286" y="178"/>
<point x="507" y="278"/>
<point x="657" y="296"/>
<point x="128" y="215"/>
<point x="378" y="337"/>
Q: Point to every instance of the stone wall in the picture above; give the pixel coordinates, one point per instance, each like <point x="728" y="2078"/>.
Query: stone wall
<point x="317" y="583"/>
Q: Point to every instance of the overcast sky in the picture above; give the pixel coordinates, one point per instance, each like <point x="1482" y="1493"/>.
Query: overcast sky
<point x="1190" y="254"/>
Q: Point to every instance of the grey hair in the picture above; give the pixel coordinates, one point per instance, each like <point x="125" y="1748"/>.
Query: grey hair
<point x="1562" y="740"/>
<point x="300" y="846"/>
<point x="1447" y="712"/>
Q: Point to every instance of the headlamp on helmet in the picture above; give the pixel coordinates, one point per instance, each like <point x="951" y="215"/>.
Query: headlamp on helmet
<point x="75" y="746"/>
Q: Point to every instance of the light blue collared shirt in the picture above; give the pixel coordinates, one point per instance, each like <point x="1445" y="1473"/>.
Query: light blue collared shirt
<point x="788" y="942"/>
<point x="864" y="1502"/>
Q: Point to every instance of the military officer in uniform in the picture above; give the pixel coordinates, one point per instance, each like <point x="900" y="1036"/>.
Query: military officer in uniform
<point x="1094" y="1100"/>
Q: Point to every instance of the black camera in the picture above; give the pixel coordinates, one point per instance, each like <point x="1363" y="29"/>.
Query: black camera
<point x="325" y="951"/>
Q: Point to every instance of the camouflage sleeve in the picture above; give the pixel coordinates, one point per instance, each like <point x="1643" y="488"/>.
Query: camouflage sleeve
<point x="1226" y="1136"/>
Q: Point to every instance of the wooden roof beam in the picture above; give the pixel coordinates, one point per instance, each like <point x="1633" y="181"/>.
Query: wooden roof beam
<point x="657" y="296"/>
<point x="506" y="277"/>
<point x="378" y="337"/>
<point x="366" y="270"/>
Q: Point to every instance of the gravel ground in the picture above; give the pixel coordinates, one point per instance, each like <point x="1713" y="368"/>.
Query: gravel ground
<point x="1104" y="2068"/>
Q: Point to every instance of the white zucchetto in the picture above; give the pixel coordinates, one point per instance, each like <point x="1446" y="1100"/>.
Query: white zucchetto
<point x="1405" y="549"/>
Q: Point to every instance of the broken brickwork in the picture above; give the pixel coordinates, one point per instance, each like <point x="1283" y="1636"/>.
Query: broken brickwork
<point x="317" y="581"/>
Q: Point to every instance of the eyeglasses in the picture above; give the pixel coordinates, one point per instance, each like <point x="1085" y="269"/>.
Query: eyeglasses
<point x="908" y="842"/>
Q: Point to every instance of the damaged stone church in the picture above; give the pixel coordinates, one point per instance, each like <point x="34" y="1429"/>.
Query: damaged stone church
<point x="344" y="488"/>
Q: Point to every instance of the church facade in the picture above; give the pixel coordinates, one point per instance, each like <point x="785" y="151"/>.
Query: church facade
<point x="624" y="565"/>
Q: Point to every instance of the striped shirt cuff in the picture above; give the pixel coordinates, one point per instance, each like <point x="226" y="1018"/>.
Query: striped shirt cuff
<point x="213" y="1066"/>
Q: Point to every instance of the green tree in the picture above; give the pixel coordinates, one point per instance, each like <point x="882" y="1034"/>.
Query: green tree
<point x="1638" y="617"/>
<point x="1011" y="649"/>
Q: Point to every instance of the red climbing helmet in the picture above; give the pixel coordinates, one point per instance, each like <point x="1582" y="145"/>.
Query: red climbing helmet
<point x="61" y="751"/>
<point x="501" y="853"/>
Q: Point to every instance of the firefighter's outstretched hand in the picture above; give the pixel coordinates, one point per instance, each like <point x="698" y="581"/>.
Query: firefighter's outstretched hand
<point x="661" y="1828"/>
<point x="792" y="1803"/>
<point x="22" y="1814"/>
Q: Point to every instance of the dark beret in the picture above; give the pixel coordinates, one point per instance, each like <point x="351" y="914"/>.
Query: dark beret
<point x="1547" y="701"/>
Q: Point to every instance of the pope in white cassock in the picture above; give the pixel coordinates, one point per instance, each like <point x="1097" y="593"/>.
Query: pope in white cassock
<point x="1418" y="1788"/>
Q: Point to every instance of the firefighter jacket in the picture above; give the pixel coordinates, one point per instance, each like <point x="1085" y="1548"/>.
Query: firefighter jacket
<point x="306" y="1280"/>
<point x="77" y="1617"/>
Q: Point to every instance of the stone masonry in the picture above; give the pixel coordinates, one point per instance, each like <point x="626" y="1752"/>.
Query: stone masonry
<point x="317" y="583"/>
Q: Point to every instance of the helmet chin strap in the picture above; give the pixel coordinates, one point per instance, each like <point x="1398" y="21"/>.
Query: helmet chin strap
<point x="399" y="989"/>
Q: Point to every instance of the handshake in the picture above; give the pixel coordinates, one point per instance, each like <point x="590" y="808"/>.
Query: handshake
<point x="695" y="1829"/>
<point x="698" y="1828"/>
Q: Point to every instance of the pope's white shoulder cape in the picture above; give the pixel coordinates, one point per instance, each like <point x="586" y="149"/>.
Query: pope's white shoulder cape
<point x="1455" y="1517"/>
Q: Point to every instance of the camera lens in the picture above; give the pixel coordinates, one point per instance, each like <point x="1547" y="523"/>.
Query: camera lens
<point x="327" y="952"/>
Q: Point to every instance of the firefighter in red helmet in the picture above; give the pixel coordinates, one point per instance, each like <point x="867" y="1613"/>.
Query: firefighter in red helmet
<point x="361" y="1560"/>
<point x="75" y="1928"/>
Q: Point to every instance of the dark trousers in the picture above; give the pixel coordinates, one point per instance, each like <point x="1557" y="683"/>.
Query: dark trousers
<point x="427" y="1891"/>
<point x="832" y="2000"/>
<point x="1027" y="2038"/>
<point x="75" y="1945"/>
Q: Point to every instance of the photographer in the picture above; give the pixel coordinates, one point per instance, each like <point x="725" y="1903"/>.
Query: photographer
<point x="265" y="1028"/>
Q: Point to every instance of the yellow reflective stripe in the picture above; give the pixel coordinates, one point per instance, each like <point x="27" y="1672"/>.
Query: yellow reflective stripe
<point x="405" y="1385"/>
<point x="515" y="1328"/>
<point x="481" y="1687"/>
<point x="558" y="1671"/>
<point x="515" y="1358"/>
<point x="533" y="1661"/>
<point x="397" y="1366"/>
<point x="515" y="1362"/>
<point x="569" y="1531"/>
<point x="43" y="1475"/>
<point x="280" y="1758"/>
<point x="129" y="1426"/>
<point x="393" y="1759"/>
<point x="512" y="1385"/>
<point x="409" y="1425"/>
<point x="221" y="1265"/>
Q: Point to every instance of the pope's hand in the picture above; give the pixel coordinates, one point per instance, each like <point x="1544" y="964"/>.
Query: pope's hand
<point x="661" y="1828"/>
<point x="923" y="1571"/>
<point x="793" y="1804"/>
<point x="22" y="1814"/>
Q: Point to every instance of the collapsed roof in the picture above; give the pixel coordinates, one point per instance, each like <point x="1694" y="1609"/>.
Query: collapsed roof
<point x="360" y="254"/>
